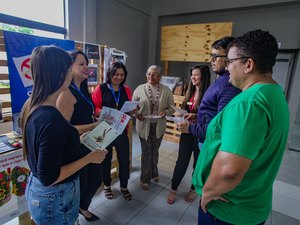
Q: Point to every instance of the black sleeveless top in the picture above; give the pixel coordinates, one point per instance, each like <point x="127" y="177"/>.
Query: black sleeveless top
<point x="83" y="111"/>
<point x="108" y="99"/>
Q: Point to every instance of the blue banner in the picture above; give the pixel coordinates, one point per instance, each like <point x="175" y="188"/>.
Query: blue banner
<point x="18" y="50"/>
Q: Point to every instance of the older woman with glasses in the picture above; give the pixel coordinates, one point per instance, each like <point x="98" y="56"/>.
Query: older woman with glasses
<point x="155" y="101"/>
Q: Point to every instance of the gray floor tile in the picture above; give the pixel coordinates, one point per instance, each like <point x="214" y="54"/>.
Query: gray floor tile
<point x="150" y="216"/>
<point x="176" y="211"/>
<point x="102" y="221"/>
<point x="191" y="214"/>
<point x="119" y="210"/>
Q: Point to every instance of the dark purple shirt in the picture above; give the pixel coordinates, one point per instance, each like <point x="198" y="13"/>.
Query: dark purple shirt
<point x="216" y="97"/>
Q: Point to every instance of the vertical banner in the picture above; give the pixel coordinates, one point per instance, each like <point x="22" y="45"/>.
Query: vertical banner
<point x="13" y="177"/>
<point x="18" y="50"/>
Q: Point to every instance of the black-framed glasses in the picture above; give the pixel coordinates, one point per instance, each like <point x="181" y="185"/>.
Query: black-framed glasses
<point x="229" y="61"/>
<point x="214" y="56"/>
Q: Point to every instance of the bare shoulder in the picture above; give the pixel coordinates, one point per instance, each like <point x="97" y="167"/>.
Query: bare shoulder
<point x="66" y="97"/>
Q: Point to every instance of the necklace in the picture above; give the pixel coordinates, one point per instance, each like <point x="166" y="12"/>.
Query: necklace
<point x="153" y="101"/>
<point x="117" y="99"/>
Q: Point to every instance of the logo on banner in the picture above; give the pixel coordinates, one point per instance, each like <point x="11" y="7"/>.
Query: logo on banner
<point x="23" y="66"/>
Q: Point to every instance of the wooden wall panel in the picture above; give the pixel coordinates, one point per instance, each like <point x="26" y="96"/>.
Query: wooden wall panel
<point x="191" y="42"/>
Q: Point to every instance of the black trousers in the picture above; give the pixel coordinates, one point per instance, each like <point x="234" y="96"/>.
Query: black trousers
<point x="188" y="144"/>
<point x="121" y="144"/>
<point x="90" y="181"/>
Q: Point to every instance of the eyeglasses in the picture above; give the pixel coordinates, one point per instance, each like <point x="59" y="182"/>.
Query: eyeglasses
<point x="152" y="74"/>
<point x="229" y="61"/>
<point x="214" y="56"/>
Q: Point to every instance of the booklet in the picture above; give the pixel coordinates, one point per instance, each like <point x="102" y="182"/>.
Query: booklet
<point x="175" y="119"/>
<point x="129" y="106"/>
<point x="100" y="137"/>
<point x="181" y="111"/>
<point x="153" y="117"/>
<point x="116" y="119"/>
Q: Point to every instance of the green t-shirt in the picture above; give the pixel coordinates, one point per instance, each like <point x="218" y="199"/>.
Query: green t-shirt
<point x="254" y="125"/>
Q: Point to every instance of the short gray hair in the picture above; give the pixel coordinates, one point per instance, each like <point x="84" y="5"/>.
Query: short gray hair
<point x="157" y="68"/>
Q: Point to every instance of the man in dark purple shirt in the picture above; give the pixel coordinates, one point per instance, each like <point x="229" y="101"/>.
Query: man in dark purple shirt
<point x="217" y="96"/>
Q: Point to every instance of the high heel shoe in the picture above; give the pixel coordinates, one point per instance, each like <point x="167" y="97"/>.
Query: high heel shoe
<point x="92" y="218"/>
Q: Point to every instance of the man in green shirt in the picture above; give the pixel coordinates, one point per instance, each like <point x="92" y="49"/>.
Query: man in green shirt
<point x="245" y="142"/>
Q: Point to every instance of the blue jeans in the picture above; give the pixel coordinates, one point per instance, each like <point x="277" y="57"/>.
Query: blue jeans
<point x="209" y="219"/>
<point x="56" y="205"/>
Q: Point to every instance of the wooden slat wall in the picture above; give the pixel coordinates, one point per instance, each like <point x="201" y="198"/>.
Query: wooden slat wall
<point x="191" y="42"/>
<point x="172" y="133"/>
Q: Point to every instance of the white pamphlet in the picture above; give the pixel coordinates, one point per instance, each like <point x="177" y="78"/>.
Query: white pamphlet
<point x="129" y="106"/>
<point x="100" y="137"/>
<point x="153" y="117"/>
<point x="180" y="111"/>
<point x="175" y="119"/>
<point x="114" y="118"/>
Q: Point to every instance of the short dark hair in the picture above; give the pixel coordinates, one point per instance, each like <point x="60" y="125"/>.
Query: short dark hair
<point x="261" y="46"/>
<point x="222" y="43"/>
<point x="113" y="69"/>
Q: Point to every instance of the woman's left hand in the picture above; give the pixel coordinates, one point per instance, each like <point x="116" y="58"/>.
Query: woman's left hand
<point x="131" y="113"/>
<point x="163" y="113"/>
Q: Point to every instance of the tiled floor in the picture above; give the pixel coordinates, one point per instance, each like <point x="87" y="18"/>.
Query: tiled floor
<point x="150" y="207"/>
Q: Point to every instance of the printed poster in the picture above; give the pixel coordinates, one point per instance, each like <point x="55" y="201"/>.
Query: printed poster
<point x="18" y="49"/>
<point x="114" y="118"/>
<point x="100" y="137"/>
<point x="14" y="172"/>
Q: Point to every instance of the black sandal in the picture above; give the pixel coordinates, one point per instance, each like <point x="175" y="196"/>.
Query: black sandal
<point x="108" y="193"/>
<point x="126" y="194"/>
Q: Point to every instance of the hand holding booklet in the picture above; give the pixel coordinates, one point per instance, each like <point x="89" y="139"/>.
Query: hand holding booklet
<point x="118" y="120"/>
<point x="100" y="137"/>
<point x="112" y="124"/>
<point x="180" y="111"/>
<point x="175" y="119"/>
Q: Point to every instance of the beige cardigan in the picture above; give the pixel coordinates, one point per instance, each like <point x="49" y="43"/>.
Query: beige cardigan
<point x="165" y="101"/>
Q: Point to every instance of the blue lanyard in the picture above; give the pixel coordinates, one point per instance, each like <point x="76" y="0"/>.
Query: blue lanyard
<point x="114" y="94"/>
<point x="80" y="92"/>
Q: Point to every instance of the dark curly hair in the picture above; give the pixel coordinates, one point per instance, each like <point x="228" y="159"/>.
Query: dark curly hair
<point x="112" y="71"/>
<point x="222" y="43"/>
<point x="261" y="46"/>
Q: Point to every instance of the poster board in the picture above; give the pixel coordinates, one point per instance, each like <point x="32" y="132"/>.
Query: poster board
<point x="191" y="42"/>
<point x="13" y="177"/>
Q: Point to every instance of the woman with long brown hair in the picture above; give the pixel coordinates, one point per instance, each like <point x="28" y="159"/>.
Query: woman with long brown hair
<point x="188" y="144"/>
<point x="51" y="144"/>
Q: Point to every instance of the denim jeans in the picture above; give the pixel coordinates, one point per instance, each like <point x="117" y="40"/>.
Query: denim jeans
<point x="56" y="205"/>
<point x="209" y="219"/>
